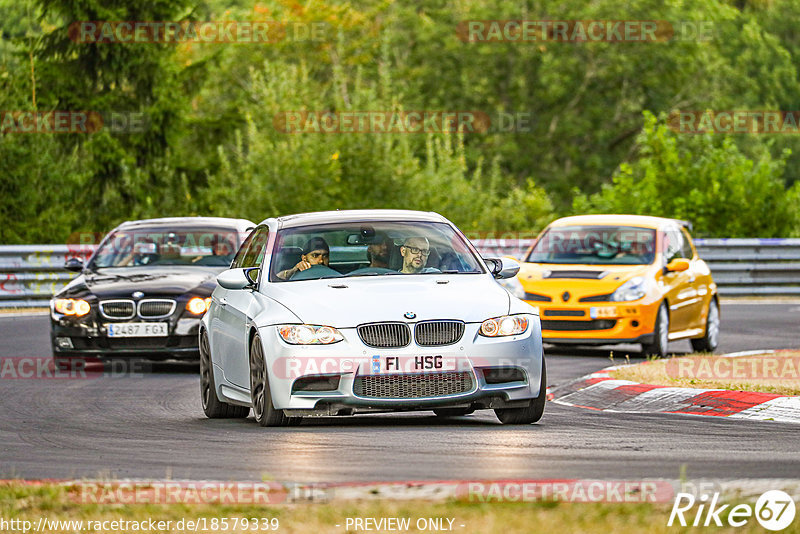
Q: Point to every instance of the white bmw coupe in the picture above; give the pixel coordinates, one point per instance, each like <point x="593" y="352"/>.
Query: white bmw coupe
<point x="344" y="312"/>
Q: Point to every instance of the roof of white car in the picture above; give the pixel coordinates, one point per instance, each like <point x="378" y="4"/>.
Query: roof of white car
<point x="325" y="217"/>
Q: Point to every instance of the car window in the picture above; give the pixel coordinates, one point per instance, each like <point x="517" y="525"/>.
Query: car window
<point x="255" y="252"/>
<point x="675" y="245"/>
<point x="687" y="244"/>
<point x="598" y="245"/>
<point x="373" y="248"/>
<point x="167" y="245"/>
<point x="240" y="255"/>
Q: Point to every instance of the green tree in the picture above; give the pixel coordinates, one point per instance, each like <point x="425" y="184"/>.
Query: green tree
<point x="704" y="178"/>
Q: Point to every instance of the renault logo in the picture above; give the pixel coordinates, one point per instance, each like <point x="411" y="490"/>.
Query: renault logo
<point x="409" y="315"/>
<point x="565" y="296"/>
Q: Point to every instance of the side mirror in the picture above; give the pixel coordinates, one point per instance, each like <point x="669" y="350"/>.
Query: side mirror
<point x="235" y="279"/>
<point x="677" y="265"/>
<point x="503" y="267"/>
<point x="74" y="264"/>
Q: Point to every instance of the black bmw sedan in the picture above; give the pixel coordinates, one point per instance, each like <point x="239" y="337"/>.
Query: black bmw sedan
<point x="144" y="290"/>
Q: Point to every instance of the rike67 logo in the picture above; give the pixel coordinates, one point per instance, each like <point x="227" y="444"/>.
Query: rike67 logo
<point x="774" y="510"/>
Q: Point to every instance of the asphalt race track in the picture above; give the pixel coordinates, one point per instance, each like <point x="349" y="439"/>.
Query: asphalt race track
<point x="151" y="425"/>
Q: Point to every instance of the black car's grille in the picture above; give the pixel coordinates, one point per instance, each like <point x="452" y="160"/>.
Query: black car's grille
<point x="565" y="325"/>
<point x="413" y="386"/>
<point x="596" y="298"/>
<point x="154" y="308"/>
<point x="564" y="313"/>
<point x="385" y="335"/>
<point x="438" y="333"/>
<point x="117" y="309"/>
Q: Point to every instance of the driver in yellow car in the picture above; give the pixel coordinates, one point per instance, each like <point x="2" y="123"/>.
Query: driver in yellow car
<point x="315" y="252"/>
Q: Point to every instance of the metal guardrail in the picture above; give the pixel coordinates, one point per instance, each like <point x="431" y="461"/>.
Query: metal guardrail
<point x="741" y="267"/>
<point x="31" y="274"/>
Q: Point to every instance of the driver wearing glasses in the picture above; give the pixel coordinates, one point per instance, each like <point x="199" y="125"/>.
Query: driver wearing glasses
<point x="415" y="252"/>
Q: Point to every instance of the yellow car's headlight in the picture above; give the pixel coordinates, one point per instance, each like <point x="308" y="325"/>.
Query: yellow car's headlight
<point x="198" y="306"/>
<point x="507" y="325"/>
<point x="76" y="307"/>
<point x="308" y="334"/>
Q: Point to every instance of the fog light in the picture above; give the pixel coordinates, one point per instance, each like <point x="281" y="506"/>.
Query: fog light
<point x="64" y="342"/>
<point x="316" y="383"/>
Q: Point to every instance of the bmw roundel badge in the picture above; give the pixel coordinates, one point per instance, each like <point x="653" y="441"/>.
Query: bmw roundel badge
<point x="410" y="315"/>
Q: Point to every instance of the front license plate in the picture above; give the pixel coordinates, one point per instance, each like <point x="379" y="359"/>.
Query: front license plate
<point x="412" y="364"/>
<point x="603" y="312"/>
<point x="136" y="329"/>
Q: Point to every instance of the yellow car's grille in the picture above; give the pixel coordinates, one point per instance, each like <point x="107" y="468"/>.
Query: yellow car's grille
<point x="565" y="325"/>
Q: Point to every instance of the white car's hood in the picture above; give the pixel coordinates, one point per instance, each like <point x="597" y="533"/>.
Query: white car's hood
<point x="348" y="302"/>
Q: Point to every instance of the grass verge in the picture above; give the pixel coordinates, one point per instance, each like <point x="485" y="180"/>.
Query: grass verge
<point x="777" y="372"/>
<point x="27" y="502"/>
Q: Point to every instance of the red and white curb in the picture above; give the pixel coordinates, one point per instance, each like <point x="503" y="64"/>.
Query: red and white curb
<point x="599" y="391"/>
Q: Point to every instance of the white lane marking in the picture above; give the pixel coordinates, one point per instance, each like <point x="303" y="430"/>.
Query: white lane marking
<point x="24" y="314"/>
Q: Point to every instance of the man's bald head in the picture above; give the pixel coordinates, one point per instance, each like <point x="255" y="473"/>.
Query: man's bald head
<point x="415" y="252"/>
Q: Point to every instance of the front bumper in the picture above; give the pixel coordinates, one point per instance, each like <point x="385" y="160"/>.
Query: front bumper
<point x="87" y="337"/>
<point x="597" y="322"/>
<point x="475" y="359"/>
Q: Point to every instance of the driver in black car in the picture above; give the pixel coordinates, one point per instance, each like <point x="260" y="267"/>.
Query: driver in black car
<point x="316" y="252"/>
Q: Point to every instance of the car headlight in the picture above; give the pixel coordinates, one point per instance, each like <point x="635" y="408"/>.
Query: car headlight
<point x="508" y="325"/>
<point x="513" y="286"/>
<point x="633" y="289"/>
<point x="308" y="334"/>
<point x="76" y="307"/>
<point x="197" y="305"/>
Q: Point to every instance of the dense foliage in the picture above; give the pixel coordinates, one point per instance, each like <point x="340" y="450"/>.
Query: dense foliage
<point x="596" y="139"/>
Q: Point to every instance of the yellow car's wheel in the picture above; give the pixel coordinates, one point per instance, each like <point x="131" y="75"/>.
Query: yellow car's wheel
<point x="710" y="340"/>
<point x="660" y="342"/>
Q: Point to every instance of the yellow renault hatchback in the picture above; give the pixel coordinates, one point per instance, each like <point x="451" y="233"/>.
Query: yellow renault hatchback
<point x="605" y="279"/>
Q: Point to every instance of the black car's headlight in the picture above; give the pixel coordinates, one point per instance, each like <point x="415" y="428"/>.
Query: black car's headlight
<point x="308" y="334"/>
<point x="75" y="307"/>
<point x="507" y="325"/>
<point x="197" y="305"/>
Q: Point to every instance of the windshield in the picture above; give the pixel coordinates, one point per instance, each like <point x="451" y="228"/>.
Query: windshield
<point x="168" y="246"/>
<point x="371" y="249"/>
<point x="601" y="245"/>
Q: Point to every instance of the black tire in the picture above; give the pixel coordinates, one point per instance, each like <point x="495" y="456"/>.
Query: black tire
<point x="660" y="344"/>
<point x="531" y="413"/>
<point x="212" y="406"/>
<point x="710" y="340"/>
<point x="263" y="409"/>
<point x="452" y="412"/>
